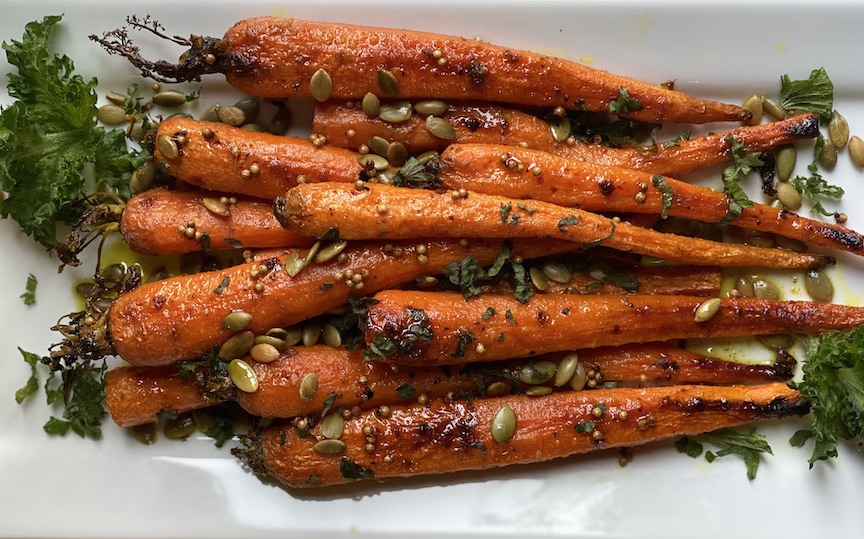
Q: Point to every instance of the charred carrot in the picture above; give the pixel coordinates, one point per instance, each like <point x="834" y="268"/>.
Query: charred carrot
<point x="377" y="210"/>
<point x="524" y="173"/>
<point x="163" y="222"/>
<point x="280" y="58"/>
<point x="483" y="123"/>
<point x="137" y="395"/>
<point x="180" y="318"/>
<point x="222" y="158"/>
<point x="445" y="437"/>
<point x="439" y="328"/>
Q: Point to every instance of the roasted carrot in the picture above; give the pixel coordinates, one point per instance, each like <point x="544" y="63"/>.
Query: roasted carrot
<point x="180" y="318"/>
<point x="494" y="169"/>
<point x="448" y="436"/>
<point x="377" y="210"/>
<point x="157" y="222"/>
<point x="136" y="395"/>
<point x="484" y="123"/>
<point x="278" y="58"/>
<point x="491" y="327"/>
<point x="222" y="158"/>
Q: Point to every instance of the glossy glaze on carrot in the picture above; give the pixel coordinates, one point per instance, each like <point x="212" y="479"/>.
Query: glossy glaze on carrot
<point x="137" y="395"/>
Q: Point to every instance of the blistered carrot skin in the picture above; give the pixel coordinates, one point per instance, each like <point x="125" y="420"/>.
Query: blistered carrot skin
<point x="492" y="124"/>
<point x="180" y="318"/>
<point x="492" y="327"/>
<point x="450" y="436"/>
<point x="378" y="210"/>
<point x="166" y="222"/>
<point x="219" y="157"/>
<point x="524" y="173"/>
<point x="136" y="395"/>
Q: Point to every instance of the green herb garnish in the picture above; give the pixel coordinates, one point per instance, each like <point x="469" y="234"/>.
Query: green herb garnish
<point x="624" y="105"/>
<point x="742" y="164"/>
<point x="731" y="442"/>
<point x="815" y="94"/>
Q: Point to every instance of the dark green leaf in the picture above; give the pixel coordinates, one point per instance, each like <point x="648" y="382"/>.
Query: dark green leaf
<point x="328" y="402"/>
<point x="742" y="163"/>
<point x="352" y="471"/>
<point x="567" y="221"/>
<point x="57" y="426"/>
<point x="815" y="94"/>
<point x="624" y="105"/>
<point x="29" y="295"/>
<point x="665" y="193"/>
<point x="505" y="211"/>
<point x="584" y="427"/>
<point x="800" y="437"/>
<point x="688" y="446"/>
<point x="406" y="392"/>
<point x="32" y="384"/>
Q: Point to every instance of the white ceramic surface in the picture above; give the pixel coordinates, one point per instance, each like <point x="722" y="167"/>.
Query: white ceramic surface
<point x="59" y="487"/>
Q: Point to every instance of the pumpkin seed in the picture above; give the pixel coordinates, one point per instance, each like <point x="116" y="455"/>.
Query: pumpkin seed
<point x="538" y="279"/>
<point x="264" y="353"/>
<point x="243" y="376"/>
<point x="537" y="373"/>
<point x="497" y="389"/>
<point x="275" y="342"/>
<point x="388" y="83"/>
<point x="211" y="114"/>
<point x="293" y="335"/>
<point x="111" y="115"/>
<point x="280" y="123"/>
<point x="204" y="419"/>
<point x="250" y="107"/>
<point x="777" y="342"/>
<point x="537" y="391"/>
<point x="232" y="116"/>
<point x="179" y="428"/>
<point x="838" y="130"/>
<point x="788" y="195"/>
<point x="116" y="98"/>
<point x="440" y="128"/>
<point x="566" y="369"/>
<point x="765" y="289"/>
<point x="557" y="272"/>
<point x="139" y="129"/>
<point x="503" y="425"/>
<point x="561" y="130"/>
<point x="397" y="154"/>
<point x="425" y="157"/>
<point x="102" y="303"/>
<point x="786" y="158"/>
<point x="215" y="206"/>
<point x="146" y="434"/>
<point x="329" y="447"/>
<point x="772" y="108"/>
<point x="143" y="177"/>
<point x="293" y="264"/>
<point x="745" y="287"/>
<point x="278" y="333"/>
<point x="332" y="426"/>
<point x="395" y="112"/>
<point x="86" y="289"/>
<point x="371" y="105"/>
<point x="431" y="107"/>
<point x="308" y="386"/>
<point x="790" y="244"/>
<point x="379" y="145"/>
<point x="580" y="377"/>
<point x="170" y="99"/>
<point x="378" y="162"/>
<point x="237" y="346"/>
<point x="236" y="321"/>
<point x="254" y="128"/>
<point x="321" y="85"/>
<point x="828" y="155"/>
<point x="111" y="275"/>
<point x="754" y="105"/>
<point x="330" y="252"/>
<point x="311" y="333"/>
<point x="707" y="309"/>
<point x="330" y="335"/>
<point x="167" y="147"/>
<point x="757" y="238"/>
<point x="856" y="150"/>
<point x="312" y="253"/>
<point x="818" y="286"/>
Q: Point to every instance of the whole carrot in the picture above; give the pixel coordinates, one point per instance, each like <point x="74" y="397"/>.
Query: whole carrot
<point x="485" y="123"/>
<point x="138" y="395"/>
<point x="385" y="211"/>
<point x="280" y="58"/>
<point x="444" y="437"/>
<point x="180" y="318"/>
<point x="525" y="173"/>
<point x="222" y="158"/>
<point x="163" y="222"/>
<point x="439" y="328"/>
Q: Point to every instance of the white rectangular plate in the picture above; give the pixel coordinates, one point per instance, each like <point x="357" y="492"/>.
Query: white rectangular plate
<point x="53" y="487"/>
